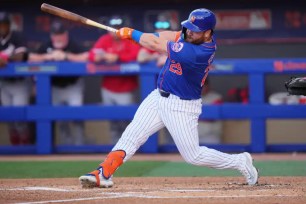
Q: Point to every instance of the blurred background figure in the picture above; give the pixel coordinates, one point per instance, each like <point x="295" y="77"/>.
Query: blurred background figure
<point x="238" y="95"/>
<point x="65" y="90"/>
<point x="283" y="98"/>
<point x="116" y="90"/>
<point x="210" y="131"/>
<point x="15" y="91"/>
<point x="146" y="55"/>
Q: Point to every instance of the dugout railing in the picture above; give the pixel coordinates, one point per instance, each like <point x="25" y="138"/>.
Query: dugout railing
<point x="257" y="111"/>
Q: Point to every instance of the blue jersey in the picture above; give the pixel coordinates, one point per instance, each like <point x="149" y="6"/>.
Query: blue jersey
<point x="186" y="68"/>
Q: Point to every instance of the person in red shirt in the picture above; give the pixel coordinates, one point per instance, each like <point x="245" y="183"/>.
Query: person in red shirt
<point x="116" y="90"/>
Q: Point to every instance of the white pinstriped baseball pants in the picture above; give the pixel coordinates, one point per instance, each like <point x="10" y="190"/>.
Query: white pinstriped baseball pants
<point x="180" y="117"/>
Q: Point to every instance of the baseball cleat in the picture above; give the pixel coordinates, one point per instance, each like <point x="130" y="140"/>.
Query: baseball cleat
<point x="248" y="170"/>
<point x="96" y="179"/>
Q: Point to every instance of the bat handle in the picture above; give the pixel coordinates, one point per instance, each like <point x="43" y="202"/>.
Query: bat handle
<point x="93" y="23"/>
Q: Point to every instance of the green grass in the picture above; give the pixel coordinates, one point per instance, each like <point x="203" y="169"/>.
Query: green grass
<point x="66" y="169"/>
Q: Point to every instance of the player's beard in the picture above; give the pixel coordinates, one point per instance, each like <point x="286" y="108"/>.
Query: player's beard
<point x="198" y="41"/>
<point x="194" y="41"/>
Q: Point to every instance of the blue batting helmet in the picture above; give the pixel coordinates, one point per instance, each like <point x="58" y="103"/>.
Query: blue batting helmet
<point x="200" y="20"/>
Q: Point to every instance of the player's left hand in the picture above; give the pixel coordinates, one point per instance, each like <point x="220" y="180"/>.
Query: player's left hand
<point x="125" y="33"/>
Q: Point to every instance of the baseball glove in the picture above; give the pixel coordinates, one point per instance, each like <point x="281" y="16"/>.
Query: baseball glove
<point x="296" y="86"/>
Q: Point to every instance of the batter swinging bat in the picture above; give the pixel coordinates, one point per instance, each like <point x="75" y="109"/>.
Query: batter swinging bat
<point x="74" y="17"/>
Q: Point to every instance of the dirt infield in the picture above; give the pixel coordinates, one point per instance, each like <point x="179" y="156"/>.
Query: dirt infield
<point x="149" y="190"/>
<point x="156" y="190"/>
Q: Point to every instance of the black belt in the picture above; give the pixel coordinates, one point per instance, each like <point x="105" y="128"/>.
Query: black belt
<point x="164" y="93"/>
<point x="167" y="94"/>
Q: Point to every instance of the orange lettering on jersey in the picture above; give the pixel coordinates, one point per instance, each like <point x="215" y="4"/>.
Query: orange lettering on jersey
<point x="176" y="68"/>
<point x="205" y="75"/>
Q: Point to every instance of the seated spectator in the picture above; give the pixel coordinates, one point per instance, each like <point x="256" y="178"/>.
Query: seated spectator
<point x="65" y="90"/>
<point x="210" y="131"/>
<point x="15" y="91"/>
<point x="116" y="90"/>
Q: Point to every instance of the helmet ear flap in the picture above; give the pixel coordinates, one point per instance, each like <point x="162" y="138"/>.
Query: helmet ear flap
<point x="183" y="34"/>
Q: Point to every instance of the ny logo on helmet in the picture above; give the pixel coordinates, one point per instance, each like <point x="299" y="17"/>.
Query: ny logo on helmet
<point x="192" y="19"/>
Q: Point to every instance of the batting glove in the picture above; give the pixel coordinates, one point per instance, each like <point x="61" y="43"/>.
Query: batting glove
<point x="125" y="33"/>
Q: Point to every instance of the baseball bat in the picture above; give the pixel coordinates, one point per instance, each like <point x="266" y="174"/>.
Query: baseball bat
<point x="73" y="17"/>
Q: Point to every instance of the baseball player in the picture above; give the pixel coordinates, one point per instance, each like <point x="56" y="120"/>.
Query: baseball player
<point x="175" y="103"/>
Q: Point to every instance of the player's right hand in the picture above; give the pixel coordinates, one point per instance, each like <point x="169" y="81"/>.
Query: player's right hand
<point x="125" y="33"/>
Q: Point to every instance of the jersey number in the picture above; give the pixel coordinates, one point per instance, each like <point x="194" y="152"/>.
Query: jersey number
<point x="176" y="68"/>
